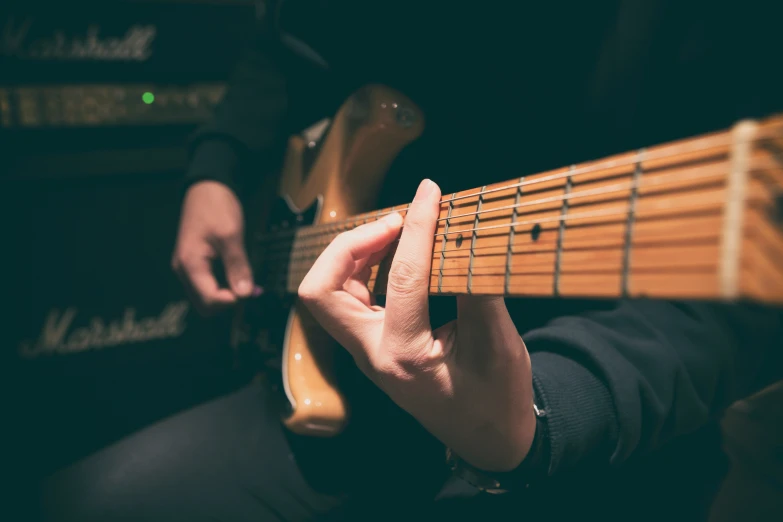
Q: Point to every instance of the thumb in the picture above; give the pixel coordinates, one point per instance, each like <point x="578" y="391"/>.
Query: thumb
<point x="238" y="273"/>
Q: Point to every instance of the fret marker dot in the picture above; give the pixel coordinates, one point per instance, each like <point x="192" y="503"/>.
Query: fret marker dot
<point x="332" y="213"/>
<point x="459" y="240"/>
<point x="535" y="232"/>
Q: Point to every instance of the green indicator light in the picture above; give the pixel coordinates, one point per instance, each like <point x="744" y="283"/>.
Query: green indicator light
<point x="148" y="98"/>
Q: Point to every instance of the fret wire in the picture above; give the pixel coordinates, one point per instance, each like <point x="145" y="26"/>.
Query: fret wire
<point x="560" y="234"/>
<point x="604" y="165"/>
<point x="637" y="174"/>
<point x="473" y="239"/>
<point x="443" y="245"/>
<point x="510" y="251"/>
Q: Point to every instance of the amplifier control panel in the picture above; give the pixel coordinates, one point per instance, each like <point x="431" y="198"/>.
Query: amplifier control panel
<point x="101" y="105"/>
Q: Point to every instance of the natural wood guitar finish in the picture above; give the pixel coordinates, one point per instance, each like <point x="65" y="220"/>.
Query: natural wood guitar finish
<point x="699" y="218"/>
<point x="367" y="133"/>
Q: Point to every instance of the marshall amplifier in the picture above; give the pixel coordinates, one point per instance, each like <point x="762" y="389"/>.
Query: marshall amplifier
<point x="101" y="336"/>
<point x="96" y="103"/>
<point x="121" y="41"/>
<point x="108" y="75"/>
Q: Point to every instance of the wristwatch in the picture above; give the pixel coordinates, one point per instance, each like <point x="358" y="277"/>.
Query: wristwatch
<point x="533" y="467"/>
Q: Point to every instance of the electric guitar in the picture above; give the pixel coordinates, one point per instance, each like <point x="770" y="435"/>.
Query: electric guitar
<point x="700" y="218"/>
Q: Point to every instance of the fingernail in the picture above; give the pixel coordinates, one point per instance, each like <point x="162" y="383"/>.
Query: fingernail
<point x="244" y="287"/>
<point x="426" y="188"/>
<point x="257" y="291"/>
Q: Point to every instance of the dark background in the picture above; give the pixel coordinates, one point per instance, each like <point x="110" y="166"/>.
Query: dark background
<point x="90" y="187"/>
<point x="90" y="190"/>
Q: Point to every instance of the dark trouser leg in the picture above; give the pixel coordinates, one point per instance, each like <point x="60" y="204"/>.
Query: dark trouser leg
<point x="225" y="460"/>
<point x="753" y="488"/>
<point x="230" y="459"/>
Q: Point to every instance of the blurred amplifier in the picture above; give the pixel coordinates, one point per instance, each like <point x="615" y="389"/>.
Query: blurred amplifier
<point x="107" y="105"/>
<point x="122" y="41"/>
<point x="110" y="65"/>
<point x="103" y="339"/>
<point x="97" y="99"/>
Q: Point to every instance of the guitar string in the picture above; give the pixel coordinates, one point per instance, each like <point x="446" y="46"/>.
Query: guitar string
<point x="481" y="251"/>
<point x="281" y="245"/>
<point x="539" y="274"/>
<point x="725" y="140"/>
<point x="304" y="270"/>
<point x="705" y="210"/>
<point x="620" y="187"/>
<point x="295" y="278"/>
<point x="460" y="271"/>
<point x="603" y="165"/>
<point x="584" y="215"/>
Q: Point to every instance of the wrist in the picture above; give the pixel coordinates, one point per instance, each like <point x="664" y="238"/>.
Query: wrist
<point x="512" y="444"/>
<point x="531" y="470"/>
<point x="207" y="184"/>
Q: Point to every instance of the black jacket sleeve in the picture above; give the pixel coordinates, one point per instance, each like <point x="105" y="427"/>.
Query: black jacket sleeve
<point x="618" y="384"/>
<point x="274" y="92"/>
<point x="248" y="125"/>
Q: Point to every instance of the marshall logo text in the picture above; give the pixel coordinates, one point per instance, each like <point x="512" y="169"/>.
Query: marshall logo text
<point x="17" y="41"/>
<point x="59" y="337"/>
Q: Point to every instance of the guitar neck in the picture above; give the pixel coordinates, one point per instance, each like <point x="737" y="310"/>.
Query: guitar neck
<point x="693" y="219"/>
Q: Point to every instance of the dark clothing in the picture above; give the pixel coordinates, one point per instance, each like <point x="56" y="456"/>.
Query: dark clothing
<point x="231" y="460"/>
<point x="630" y="388"/>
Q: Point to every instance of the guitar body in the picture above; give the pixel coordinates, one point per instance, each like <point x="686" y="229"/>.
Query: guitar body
<point x="325" y="178"/>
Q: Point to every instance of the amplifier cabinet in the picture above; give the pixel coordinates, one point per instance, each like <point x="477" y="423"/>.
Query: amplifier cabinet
<point x="101" y="338"/>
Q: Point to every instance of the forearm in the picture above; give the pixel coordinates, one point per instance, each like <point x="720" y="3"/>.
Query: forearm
<point x="621" y="383"/>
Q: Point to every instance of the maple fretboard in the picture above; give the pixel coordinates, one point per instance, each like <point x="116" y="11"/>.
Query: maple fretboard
<point x="694" y="219"/>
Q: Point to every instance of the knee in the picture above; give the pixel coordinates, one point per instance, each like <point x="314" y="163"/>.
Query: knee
<point x="126" y="481"/>
<point x="89" y="491"/>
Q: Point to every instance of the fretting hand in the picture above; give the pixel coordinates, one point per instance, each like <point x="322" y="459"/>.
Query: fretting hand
<point x="469" y="382"/>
